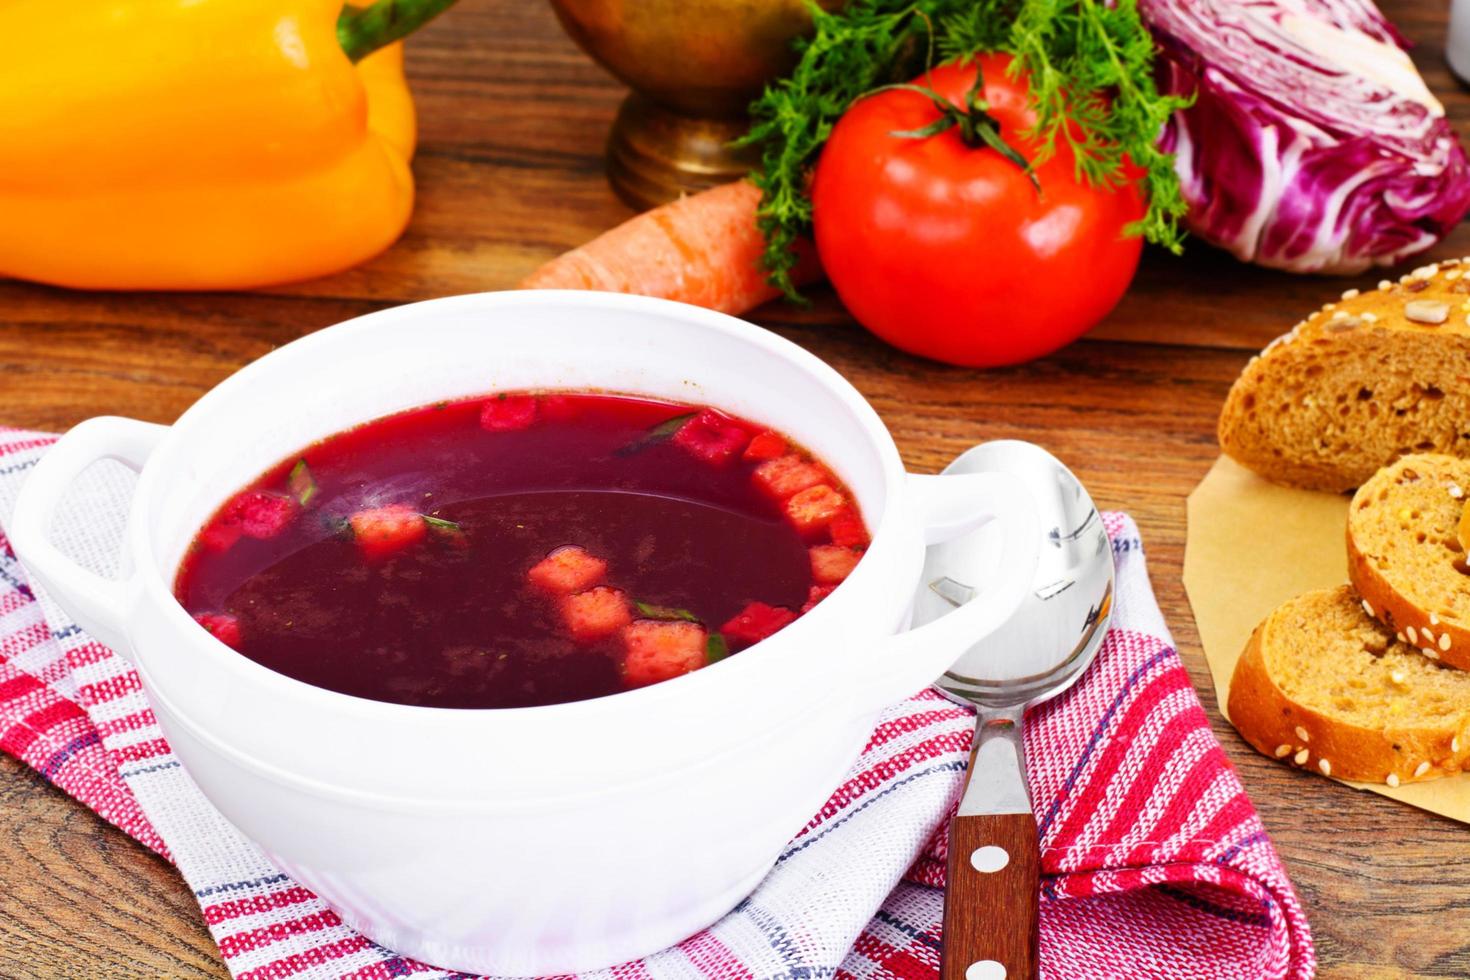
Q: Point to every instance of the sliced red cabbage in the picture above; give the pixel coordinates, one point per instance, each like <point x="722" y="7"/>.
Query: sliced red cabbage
<point x="1313" y="144"/>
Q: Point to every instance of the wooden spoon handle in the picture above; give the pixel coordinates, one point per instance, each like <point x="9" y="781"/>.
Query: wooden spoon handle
<point x="991" y="899"/>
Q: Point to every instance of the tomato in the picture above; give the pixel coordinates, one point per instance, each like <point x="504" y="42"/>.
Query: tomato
<point x="948" y="250"/>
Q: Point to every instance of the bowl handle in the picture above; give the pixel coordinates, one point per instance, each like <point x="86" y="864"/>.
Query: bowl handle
<point x="949" y="506"/>
<point x="97" y="604"/>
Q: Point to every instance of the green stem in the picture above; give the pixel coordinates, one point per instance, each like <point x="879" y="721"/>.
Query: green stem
<point x="363" y="30"/>
<point x="977" y="127"/>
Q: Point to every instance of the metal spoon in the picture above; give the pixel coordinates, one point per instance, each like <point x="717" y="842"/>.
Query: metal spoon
<point x="991" y="903"/>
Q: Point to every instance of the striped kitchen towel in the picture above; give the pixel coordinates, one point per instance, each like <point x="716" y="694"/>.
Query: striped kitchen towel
<point x="1155" y="862"/>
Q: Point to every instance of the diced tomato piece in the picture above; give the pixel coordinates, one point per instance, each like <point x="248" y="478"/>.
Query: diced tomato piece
<point x="813" y="508"/>
<point x="504" y="413"/>
<point x="383" y="531"/>
<point x="658" y="650"/>
<point x="712" y="437"/>
<point x="767" y="445"/>
<point x="788" y="475"/>
<point x="832" y="563"/>
<point x="596" y="613"/>
<point x="223" y="626"/>
<point x="255" y="513"/>
<point x="567" y="570"/>
<point x="848" y="529"/>
<point x="264" y="515"/>
<point x="815" y="595"/>
<point x="221" y="533"/>
<point x="756" y="622"/>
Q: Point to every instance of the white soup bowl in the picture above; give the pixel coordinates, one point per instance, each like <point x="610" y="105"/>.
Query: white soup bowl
<point x="531" y="840"/>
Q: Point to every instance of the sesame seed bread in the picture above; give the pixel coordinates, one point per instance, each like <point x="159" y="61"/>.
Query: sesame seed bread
<point x="1405" y="556"/>
<point x="1324" y="686"/>
<point x="1359" y="383"/>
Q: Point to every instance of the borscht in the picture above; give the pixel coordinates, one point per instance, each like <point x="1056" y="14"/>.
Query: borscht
<point x="523" y="548"/>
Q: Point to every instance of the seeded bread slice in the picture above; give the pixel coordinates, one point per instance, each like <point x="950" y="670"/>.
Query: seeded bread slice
<point x="1325" y="686"/>
<point x="1405" y="556"/>
<point x="1359" y="383"/>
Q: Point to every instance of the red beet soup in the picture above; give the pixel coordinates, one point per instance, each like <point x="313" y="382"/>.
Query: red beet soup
<point x="521" y="549"/>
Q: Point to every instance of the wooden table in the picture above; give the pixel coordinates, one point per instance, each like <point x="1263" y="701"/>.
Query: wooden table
<point x="510" y="173"/>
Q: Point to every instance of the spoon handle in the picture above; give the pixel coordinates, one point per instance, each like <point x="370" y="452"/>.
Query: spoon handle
<point x="991" y="898"/>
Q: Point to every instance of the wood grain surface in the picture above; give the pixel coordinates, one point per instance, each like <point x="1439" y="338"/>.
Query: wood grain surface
<point x="513" y="119"/>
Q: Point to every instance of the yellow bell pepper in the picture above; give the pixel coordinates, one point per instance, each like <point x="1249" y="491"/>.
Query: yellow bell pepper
<point x="195" y="144"/>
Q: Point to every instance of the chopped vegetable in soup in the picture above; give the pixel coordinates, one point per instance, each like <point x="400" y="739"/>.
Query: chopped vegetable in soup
<point x="522" y="549"/>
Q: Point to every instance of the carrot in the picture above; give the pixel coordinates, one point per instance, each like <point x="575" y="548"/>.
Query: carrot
<point x="703" y="249"/>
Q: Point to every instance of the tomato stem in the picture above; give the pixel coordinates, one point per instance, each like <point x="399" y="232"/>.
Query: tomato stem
<point x="977" y="127"/>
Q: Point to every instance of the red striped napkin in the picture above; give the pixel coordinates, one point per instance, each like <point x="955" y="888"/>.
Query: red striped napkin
<point x="1155" y="863"/>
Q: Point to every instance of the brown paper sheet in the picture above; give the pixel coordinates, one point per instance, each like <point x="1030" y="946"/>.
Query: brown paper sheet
<point x="1251" y="546"/>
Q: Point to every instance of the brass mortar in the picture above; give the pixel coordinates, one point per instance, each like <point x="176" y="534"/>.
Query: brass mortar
<point x="694" y="66"/>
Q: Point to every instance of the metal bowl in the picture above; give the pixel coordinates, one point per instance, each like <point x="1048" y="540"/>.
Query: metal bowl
<point x="694" y="66"/>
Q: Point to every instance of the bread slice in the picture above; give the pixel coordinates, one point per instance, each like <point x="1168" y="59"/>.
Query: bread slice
<point x="1405" y="556"/>
<point x="1358" y="384"/>
<point x="1325" y="686"/>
